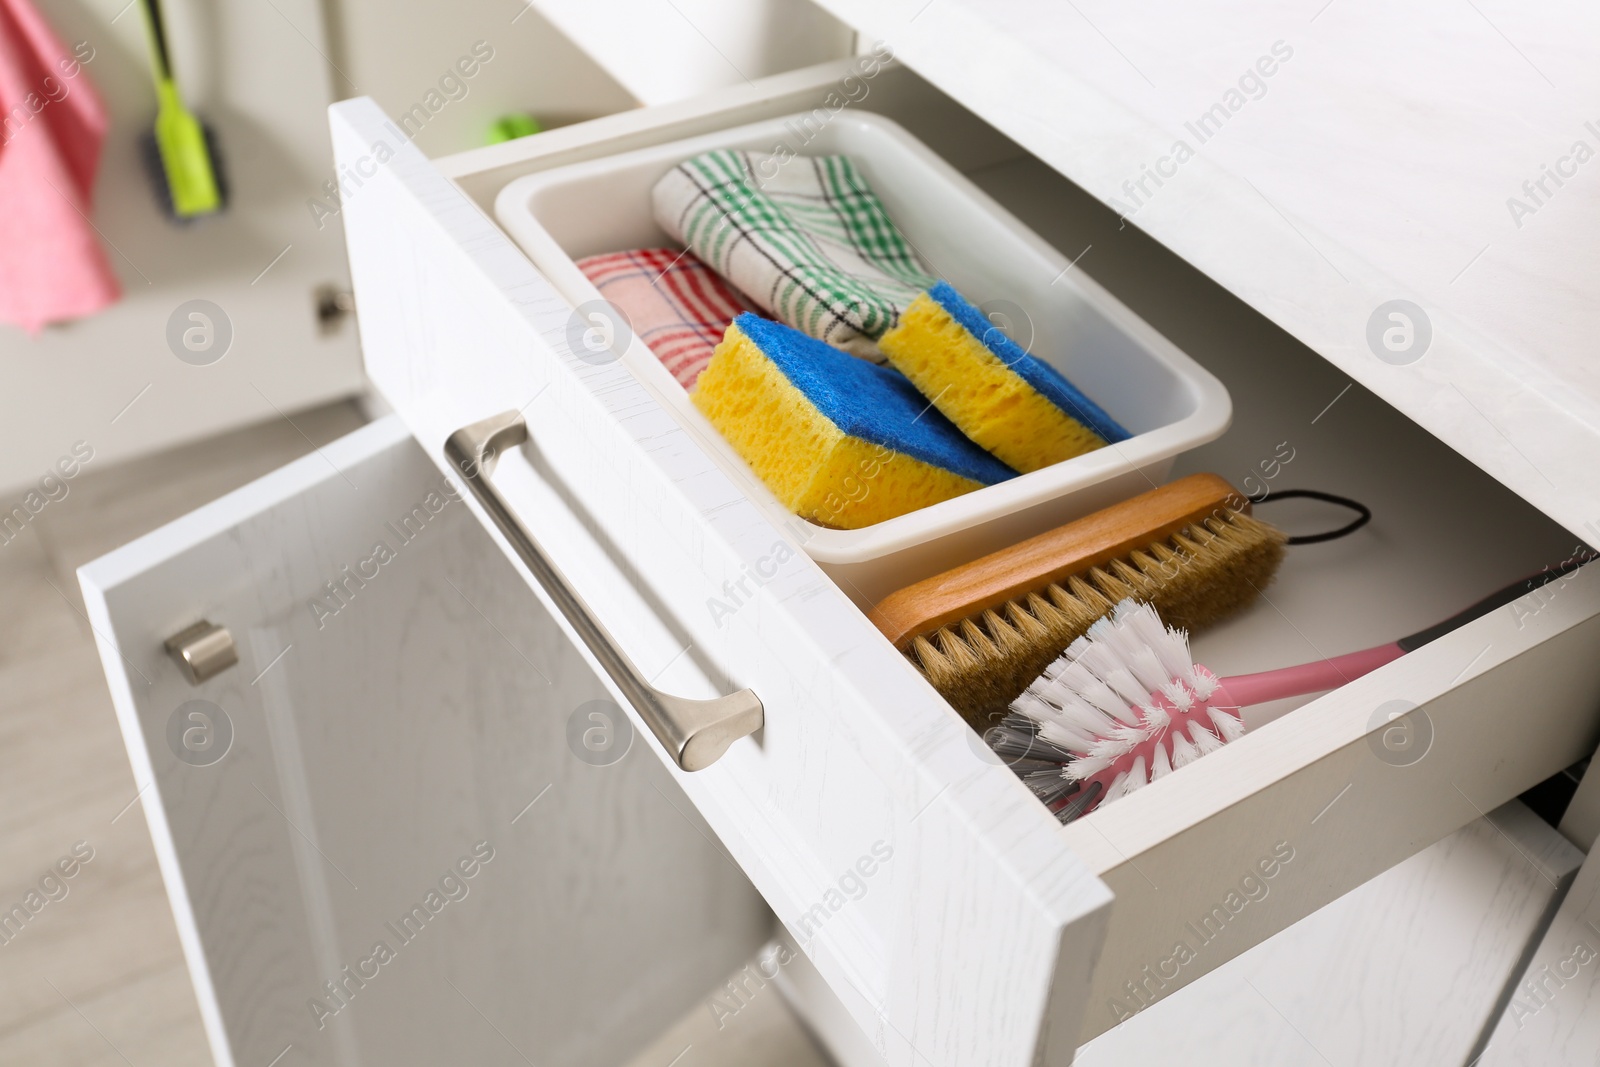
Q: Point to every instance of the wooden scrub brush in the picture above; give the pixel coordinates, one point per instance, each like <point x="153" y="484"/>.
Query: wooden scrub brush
<point x="982" y="631"/>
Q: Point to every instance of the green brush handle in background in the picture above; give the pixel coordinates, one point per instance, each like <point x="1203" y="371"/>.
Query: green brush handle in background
<point x="180" y="139"/>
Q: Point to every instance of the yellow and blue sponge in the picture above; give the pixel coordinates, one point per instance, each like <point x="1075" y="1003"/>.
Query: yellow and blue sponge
<point x="1020" y="408"/>
<point x="838" y="440"/>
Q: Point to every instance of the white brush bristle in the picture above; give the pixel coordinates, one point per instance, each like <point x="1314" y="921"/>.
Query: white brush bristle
<point x="1128" y="701"/>
<point x="1204" y="739"/>
<point x="1183" y="750"/>
<point x="1160" y="766"/>
<point x="1229" y="726"/>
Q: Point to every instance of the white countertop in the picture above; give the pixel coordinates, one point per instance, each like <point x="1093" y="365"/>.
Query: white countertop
<point x="1377" y="161"/>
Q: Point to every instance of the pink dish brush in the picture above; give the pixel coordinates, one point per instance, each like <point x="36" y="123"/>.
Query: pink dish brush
<point x="1130" y="705"/>
<point x="1126" y="704"/>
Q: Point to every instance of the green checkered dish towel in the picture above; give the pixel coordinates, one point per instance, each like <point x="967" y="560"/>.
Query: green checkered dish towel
<point x="804" y="237"/>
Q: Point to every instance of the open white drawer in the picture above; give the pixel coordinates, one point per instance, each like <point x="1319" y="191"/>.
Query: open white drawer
<point x="940" y="902"/>
<point x="987" y="938"/>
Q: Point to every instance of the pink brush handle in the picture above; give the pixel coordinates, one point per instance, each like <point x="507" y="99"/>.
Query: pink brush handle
<point x="1246" y="689"/>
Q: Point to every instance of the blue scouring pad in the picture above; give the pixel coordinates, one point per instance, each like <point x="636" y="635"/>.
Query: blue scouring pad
<point x="838" y="440"/>
<point x="1017" y="406"/>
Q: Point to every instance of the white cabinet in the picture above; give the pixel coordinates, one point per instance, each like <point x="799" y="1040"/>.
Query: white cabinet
<point x="1552" y="1015"/>
<point x="1407" y="969"/>
<point x="941" y="905"/>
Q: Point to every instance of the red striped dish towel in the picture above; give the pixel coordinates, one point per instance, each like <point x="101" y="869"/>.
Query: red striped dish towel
<point x="676" y="304"/>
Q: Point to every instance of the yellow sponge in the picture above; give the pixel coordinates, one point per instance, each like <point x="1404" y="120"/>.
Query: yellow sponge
<point x="838" y="440"/>
<point x="1019" y="408"/>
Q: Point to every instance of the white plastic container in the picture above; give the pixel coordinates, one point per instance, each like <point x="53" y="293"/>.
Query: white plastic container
<point x="1166" y="401"/>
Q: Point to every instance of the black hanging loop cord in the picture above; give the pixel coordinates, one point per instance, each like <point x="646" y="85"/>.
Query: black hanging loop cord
<point x="1363" y="513"/>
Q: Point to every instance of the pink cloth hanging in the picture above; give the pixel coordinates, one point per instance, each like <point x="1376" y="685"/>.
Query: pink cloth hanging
<point x="52" y="124"/>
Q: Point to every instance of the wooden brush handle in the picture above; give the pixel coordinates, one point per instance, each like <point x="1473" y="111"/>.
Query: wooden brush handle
<point x="1052" y="556"/>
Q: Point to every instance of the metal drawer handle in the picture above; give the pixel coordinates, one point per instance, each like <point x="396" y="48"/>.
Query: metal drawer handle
<point x="696" y="732"/>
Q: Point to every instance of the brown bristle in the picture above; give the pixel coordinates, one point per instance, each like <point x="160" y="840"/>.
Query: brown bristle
<point x="1200" y="575"/>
